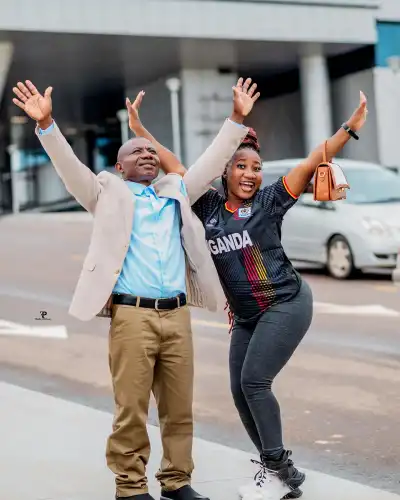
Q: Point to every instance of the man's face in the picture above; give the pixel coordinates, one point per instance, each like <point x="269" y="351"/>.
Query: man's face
<point x="138" y="161"/>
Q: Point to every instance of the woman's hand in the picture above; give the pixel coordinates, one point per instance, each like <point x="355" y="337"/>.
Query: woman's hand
<point x="359" y="117"/>
<point x="243" y="99"/>
<point x="133" y="109"/>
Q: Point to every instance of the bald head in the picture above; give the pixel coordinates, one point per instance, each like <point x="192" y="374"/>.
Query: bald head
<point x="138" y="161"/>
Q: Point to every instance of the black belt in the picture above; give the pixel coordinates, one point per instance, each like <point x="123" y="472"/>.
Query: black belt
<point x="157" y="304"/>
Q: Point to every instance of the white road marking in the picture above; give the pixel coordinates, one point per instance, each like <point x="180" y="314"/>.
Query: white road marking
<point x="214" y="324"/>
<point x="324" y="308"/>
<point x="369" y="310"/>
<point x="9" y="328"/>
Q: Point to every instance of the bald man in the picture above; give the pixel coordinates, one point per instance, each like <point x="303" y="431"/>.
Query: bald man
<point x="147" y="261"/>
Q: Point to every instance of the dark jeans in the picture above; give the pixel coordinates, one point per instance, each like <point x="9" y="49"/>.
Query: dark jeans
<point x="258" y="352"/>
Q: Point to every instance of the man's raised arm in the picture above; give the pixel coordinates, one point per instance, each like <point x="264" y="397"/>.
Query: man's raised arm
<point x="79" y="180"/>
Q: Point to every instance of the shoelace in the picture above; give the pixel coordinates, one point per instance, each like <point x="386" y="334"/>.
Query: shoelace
<point x="263" y="475"/>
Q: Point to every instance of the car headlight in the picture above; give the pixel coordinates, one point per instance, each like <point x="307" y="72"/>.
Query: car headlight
<point x="376" y="227"/>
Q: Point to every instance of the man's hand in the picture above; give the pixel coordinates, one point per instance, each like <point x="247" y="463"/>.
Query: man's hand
<point x="35" y="105"/>
<point x="243" y="99"/>
<point x="359" y="117"/>
<point x="133" y="110"/>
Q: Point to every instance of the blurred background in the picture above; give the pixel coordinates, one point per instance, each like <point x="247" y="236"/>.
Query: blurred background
<point x="310" y="59"/>
<point x="340" y="397"/>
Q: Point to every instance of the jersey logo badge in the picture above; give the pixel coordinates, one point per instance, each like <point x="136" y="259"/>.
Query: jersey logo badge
<point x="243" y="213"/>
<point x="212" y="222"/>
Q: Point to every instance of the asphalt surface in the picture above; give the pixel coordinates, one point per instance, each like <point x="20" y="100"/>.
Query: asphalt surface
<point x="339" y="394"/>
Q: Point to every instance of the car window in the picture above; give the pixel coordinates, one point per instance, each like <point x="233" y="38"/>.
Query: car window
<point x="372" y="185"/>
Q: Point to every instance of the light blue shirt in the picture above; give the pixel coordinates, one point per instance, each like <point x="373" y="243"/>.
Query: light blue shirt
<point x="154" y="265"/>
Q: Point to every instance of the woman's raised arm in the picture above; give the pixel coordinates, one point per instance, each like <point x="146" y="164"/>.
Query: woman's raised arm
<point x="298" y="178"/>
<point x="169" y="162"/>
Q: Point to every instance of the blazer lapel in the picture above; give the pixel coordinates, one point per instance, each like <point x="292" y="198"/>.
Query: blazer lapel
<point x="169" y="186"/>
<point x="129" y="202"/>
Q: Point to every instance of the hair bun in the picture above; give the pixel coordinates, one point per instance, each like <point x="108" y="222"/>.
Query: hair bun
<point x="251" y="141"/>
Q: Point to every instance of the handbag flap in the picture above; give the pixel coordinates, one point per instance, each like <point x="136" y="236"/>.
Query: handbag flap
<point x="338" y="178"/>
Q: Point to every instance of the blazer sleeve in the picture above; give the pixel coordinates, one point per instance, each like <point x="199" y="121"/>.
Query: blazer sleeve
<point x="212" y="162"/>
<point x="78" y="179"/>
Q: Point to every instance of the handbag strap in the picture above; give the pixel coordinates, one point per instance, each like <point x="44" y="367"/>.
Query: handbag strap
<point x="325" y="153"/>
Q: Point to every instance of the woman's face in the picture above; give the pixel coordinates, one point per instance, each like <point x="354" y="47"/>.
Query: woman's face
<point x="244" y="174"/>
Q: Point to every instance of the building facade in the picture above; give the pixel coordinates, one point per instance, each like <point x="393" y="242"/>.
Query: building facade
<point x="310" y="57"/>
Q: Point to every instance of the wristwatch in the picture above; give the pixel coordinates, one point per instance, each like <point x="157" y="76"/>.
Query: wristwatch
<point x="349" y="131"/>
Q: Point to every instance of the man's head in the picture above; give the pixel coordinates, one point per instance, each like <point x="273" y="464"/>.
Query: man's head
<point x="138" y="161"/>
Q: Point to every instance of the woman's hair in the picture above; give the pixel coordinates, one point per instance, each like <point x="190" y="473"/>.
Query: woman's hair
<point x="249" y="142"/>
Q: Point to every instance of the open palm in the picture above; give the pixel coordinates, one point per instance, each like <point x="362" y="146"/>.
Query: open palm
<point x="133" y="110"/>
<point x="35" y="105"/>
<point x="359" y="117"/>
<point x="244" y="96"/>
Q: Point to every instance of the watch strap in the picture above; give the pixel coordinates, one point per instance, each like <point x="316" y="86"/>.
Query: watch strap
<point x="350" y="131"/>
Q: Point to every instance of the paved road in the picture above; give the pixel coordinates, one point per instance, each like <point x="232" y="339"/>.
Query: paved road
<point x="339" y="394"/>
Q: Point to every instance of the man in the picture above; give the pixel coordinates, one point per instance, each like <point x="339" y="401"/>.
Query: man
<point x="147" y="261"/>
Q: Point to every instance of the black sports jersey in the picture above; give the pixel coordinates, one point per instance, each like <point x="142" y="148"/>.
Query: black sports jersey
<point x="247" y="251"/>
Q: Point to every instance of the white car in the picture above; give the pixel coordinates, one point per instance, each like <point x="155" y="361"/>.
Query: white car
<point x="359" y="233"/>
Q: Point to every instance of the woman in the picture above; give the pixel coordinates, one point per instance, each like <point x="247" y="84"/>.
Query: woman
<point x="270" y="304"/>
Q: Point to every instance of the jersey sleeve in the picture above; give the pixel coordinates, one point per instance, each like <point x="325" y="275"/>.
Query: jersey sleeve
<point x="206" y="204"/>
<point x="277" y="198"/>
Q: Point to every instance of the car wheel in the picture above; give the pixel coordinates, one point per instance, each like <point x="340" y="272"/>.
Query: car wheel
<point x="340" y="262"/>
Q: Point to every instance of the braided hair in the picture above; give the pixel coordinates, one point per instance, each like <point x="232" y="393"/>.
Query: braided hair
<point x="249" y="142"/>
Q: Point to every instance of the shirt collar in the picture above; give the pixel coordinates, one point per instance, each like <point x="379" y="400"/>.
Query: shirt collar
<point x="139" y="189"/>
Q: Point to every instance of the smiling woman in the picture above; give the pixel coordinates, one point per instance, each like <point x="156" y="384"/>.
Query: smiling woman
<point x="242" y="176"/>
<point x="270" y="305"/>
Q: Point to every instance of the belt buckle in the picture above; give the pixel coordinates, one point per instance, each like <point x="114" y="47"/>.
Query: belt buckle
<point x="156" y="305"/>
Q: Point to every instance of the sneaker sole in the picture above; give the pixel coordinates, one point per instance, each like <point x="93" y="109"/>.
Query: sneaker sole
<point x="295" y="488"/>
<point x="166" y="498"/>
<point x="297" y="493"/>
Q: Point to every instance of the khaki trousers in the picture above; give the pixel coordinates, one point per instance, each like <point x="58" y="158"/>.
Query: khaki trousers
<point x="150" y="350"/>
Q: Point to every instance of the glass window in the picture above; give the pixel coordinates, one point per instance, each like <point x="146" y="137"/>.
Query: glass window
<point x="372" y="185"/>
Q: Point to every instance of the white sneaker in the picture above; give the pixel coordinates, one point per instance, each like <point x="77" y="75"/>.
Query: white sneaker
<point x="265" y="486"/>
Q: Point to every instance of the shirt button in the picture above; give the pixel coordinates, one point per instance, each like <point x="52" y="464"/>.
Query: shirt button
<point x="117" y="271"/>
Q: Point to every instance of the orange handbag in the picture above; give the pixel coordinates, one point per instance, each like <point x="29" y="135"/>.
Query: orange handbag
<point x="330" y="183"/>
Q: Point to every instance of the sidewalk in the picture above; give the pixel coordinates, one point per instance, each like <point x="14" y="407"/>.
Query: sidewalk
<point x="52" y="449"/>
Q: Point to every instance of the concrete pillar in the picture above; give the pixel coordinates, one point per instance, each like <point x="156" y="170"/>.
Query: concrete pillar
<point x="6" y="53"/>
<point x="207" y="76"/>
<point x="206" y="98"/>
<point x="315" y="91"/>
<point x="19" y="186"/>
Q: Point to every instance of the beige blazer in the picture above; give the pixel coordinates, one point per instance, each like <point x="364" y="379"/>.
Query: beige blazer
<point x="112" y="205"/>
